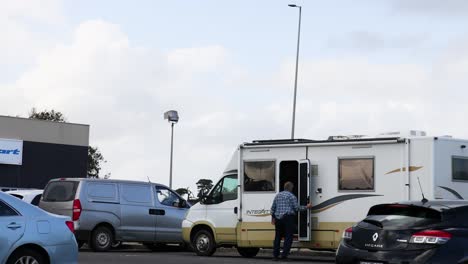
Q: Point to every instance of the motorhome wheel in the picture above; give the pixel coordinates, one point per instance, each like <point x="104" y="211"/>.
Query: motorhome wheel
<point x="203" y="243"/>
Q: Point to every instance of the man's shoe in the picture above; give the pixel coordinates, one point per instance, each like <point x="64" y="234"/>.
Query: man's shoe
<point x="275" y="259"/>
<point x="284" y="259"/>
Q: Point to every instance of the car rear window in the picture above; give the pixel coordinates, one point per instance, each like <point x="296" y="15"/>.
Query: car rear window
<point x="400" y="216"/>
<point x="60" y="191"/>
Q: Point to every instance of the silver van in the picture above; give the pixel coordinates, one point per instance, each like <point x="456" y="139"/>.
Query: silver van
<point x="109" y="211"/>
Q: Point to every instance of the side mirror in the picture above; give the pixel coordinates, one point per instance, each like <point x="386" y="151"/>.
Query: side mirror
<point x="182" y="204"/>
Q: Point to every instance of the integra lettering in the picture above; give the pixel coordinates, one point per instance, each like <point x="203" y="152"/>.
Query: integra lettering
<point x="10" y="151"/>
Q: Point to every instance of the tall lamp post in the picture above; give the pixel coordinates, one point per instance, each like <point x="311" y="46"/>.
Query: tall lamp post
<point x="172" y="117"/>
<point x="297" y="66"/>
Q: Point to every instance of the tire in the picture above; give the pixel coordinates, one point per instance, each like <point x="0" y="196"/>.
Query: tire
<point x="26" y="256"/>
<point x="101" y="239"/>
<point x="203" y="243"/>
<point x="248" y="252"/>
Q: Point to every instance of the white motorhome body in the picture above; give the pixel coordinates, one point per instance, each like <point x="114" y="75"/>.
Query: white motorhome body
<point x="341" y="178"/>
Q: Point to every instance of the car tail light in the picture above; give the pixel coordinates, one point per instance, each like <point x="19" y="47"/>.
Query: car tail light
<point x="348" y="233"/>
<point x="76" y="210"/>
<point x="71" y="226"/>
<point x="436" y="237"/>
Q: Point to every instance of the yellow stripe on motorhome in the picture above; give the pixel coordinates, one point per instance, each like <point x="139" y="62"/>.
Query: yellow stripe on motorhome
<point x="326" y="235"/>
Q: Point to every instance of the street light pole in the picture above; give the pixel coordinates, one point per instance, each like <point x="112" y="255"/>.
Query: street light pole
<point x="172" y="150"/>
<point x="172" y="117"/>
<point x="297" y="67"/>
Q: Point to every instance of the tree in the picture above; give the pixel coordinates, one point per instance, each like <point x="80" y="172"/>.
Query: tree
<point x="51" y="115"/>
<point x="95" y="157"/>
<point x="204" y="186"/>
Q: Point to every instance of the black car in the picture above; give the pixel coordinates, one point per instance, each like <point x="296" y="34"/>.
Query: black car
<point x="408" y="232"/>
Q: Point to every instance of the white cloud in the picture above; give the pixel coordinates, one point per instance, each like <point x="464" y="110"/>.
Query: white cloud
<point x="99" y="77"/>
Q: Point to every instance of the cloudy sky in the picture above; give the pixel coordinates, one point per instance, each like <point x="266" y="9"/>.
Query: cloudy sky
<point x="228" y="67"/>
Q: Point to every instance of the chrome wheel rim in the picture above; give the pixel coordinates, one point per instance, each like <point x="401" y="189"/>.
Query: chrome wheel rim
<point x="202" y="242"/>
<point x="27" y="260"/>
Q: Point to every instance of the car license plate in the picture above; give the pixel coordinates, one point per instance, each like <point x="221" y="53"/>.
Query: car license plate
<point x="370" y="262"/>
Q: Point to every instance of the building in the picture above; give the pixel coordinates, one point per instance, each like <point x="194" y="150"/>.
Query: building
<point x="34" y="151"/>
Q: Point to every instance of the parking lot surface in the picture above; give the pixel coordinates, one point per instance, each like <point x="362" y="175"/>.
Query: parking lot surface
<point x="141" y="255"/>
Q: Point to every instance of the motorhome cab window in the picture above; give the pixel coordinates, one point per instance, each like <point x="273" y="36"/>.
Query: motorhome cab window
<point x="356" y="174"/>
<point x="225" y="190"/>
<point x="460" y="168"/>
<point x="259" y="176"/>
<point x="166" y="197"/>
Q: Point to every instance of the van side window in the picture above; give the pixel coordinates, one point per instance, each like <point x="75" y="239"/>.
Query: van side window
<point x="225" y="190"/>
<point x="134" y="193"/>
<point x="104" y="192"/>
<point x="6" y="210"/>
<point x="259" y="176"/>
<point x="167" y="197"/>
<point x="356" y="174"/>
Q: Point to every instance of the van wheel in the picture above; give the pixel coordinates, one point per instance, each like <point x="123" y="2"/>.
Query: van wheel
<point x="26" y="256"/>
<point x="203" y="243"/>
<point x="248" y="252"/>
<point x="101" y="239"/>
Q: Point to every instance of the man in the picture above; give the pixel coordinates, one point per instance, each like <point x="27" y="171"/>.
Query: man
<point x="283" y="217"/>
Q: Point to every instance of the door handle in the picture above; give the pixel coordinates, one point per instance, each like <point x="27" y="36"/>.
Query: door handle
<point x="157" y="212"/>
<point x="319" y="190"/>
<point x="13" y="226"/>
<point x="235" y="210"/>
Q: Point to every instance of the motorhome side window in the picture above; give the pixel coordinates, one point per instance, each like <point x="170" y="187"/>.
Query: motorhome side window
<point x="259" y="176"/>
<point x="356" y="174"/>
<point x="225" y="190"/>
<point x="460" y="168"/>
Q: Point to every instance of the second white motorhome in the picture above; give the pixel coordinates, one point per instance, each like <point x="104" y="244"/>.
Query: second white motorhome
<point x="342" y="177"/>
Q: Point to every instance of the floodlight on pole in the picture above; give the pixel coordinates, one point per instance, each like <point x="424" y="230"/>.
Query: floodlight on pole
<point x="297" y="66"/>
<point x="172" y="117"/>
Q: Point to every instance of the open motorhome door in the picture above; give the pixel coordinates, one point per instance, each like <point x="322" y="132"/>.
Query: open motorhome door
<point x="303" y="197"/>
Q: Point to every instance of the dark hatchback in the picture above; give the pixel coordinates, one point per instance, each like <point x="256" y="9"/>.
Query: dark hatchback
<point x="408" y="232"/>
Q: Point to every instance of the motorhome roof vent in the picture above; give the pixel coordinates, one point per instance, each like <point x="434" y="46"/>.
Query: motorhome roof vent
<point x="409" y="133"/>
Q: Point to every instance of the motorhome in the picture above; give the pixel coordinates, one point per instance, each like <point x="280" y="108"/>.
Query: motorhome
<point x="342" y="177"/>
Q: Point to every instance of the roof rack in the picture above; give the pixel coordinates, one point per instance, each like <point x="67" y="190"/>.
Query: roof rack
<point x="279" y="141"/>
<point x="300" y="141"/>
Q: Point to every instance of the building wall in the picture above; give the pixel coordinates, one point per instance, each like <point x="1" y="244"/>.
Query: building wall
<point x="50" y="150"/>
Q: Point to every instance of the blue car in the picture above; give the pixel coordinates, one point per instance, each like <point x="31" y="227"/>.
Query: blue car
<point x="30" y="235"/>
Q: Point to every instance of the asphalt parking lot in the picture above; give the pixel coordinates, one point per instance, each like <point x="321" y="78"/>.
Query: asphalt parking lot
<point x="138" y="254"/>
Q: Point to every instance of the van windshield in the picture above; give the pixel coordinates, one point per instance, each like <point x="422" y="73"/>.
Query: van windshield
<point x="60" y="191"/>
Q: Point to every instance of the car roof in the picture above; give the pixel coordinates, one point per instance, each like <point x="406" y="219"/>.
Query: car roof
<point x="25" y="209"/>
<point x="107" y="180"/>
<point x="438" y="205"/>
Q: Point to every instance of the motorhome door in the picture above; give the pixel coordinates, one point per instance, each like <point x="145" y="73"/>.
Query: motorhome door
<point x="303" y="197"/>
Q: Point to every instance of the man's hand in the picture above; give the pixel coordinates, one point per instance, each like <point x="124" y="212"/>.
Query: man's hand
<point x="273" y="221"/>
<point x="309" y="205"/>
